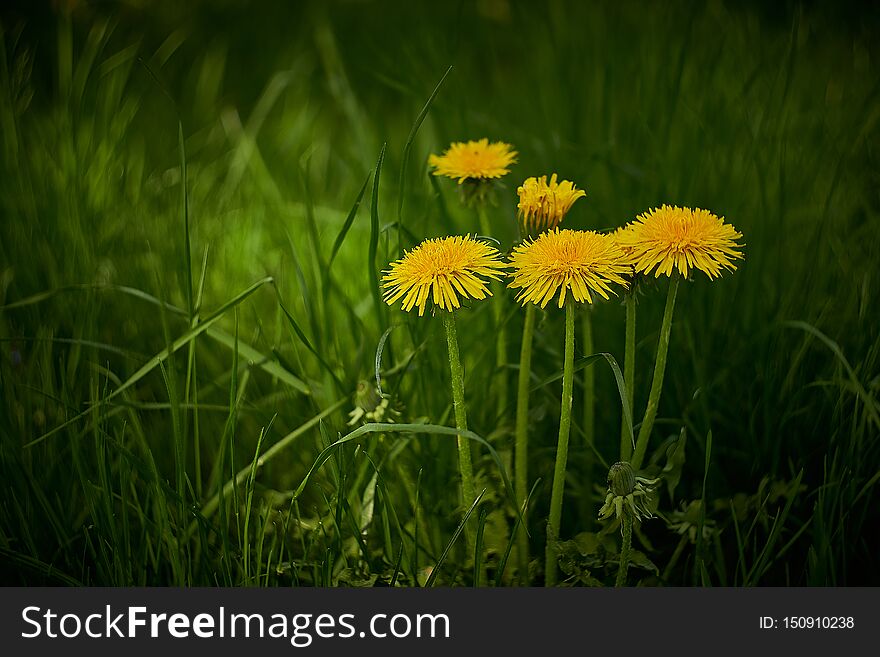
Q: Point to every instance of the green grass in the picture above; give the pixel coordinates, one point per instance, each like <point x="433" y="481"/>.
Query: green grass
<point x="177" y="359"/>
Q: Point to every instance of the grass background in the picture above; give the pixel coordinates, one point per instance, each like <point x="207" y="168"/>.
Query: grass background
<point x="109" y="457"/>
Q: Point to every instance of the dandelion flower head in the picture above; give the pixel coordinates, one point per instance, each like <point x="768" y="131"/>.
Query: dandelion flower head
<point x="442" y="269"/>
<point x="582" y="262"/>
<point x="671" y="238"/>
<point x="543" y="205"/>
<point x="622" y="235"/>
<point x="474" y="160"/>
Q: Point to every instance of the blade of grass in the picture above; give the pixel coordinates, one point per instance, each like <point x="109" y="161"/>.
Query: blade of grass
<point x="407" y="147"/>
<point x="376" y="427"/>
<point x="587" y="361"/>
<point x="699" y="566"/>
<point x="867" y="399"/>
<point x="479" y="566"/>
<point x="184" y="202"/>
<point x="415" y="533"/>
<point x="458" y="530"/>
<point x="397" y="562"/>
<point x="372" y="271"/>
<point x="211" y="505"/>
<point x="162" y="356"/>
<point x="265" y="363"/>
<point x="740" y="546"/>
<point x="377" y="363"/>
<point x="758" y="569"/>
<point x="302" y="337"/>
<point x="510" y="541"/>
<point x="249" y="500"/>
<point x="47" y="570"/>
<point x="349" y="220"/>
<point x="257" y="359"/>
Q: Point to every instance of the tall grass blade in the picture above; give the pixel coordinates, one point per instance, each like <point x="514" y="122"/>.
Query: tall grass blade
<point x="404" y="160"/>
<point x="458" y="530"/>
<point x="698" y="564"/>
<point x="163" y="355"/>
<point x="372" y="271"/>
<point x="376" y="427"/>
<point x="346" y="225"/>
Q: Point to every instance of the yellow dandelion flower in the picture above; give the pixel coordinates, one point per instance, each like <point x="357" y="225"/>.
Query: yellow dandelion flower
<point x="474" y="160"/>
<point x="672" y="238"/>
<point x="543" y="205"/>
<point x="563" y="260"/>
<point x="622" y="235"/>
<point x="442" y="268"/>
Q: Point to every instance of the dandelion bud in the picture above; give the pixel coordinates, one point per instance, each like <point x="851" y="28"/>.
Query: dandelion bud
<point x="628" y="492"/>
<point x="542" y="205"/>
<point x="367" y="396"/>
<point x="621" y="479"/>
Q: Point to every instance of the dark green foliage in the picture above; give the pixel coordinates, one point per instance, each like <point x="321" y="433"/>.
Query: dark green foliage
<point x="176" y="359"/>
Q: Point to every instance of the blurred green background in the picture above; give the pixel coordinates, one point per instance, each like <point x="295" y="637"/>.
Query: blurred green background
<point x="766" y="114"/>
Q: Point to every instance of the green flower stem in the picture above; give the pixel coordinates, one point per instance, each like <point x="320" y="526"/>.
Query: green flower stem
<point x="657" y="382"/>
<point x="629" y="373"/>
<point x="501" y="387"/>
<point x="521" y="449"/>
<point x="625" y="548"/>
<point x="465" y="465"/>
<point x="553" y="523"/>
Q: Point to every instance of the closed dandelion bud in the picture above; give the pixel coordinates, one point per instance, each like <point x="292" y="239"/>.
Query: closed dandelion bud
<point x="370" y="406"/>
<point x="621" y="479"/>
<point x="542" y="205"/>
<point x="367" y="396"/>
<point x="627" y="493"/>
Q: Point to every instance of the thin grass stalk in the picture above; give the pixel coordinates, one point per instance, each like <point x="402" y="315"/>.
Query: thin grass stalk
<point x="589" y="381"/>
<point x="657" y="382"/>
<point x="625" y="548"/>
<point x="521" y="446"/>
<point x="589" y="425"/>
<point x="501" y="386"/>
<point x="629" y="373"/>
<point x="465" y="464"/>
<point x="551" y="556"/>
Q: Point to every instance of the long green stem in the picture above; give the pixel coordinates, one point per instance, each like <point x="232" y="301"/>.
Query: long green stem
<point x="500" y="328"/>
<point x="465" y="465"/>
<point x="629" y="374"/>
<point x="521" y="449"/>
<point x="625" y="548"/>
<point x="657" y="382"/>
<point x="551" y="556"/>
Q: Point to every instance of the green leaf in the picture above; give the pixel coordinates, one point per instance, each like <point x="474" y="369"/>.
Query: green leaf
<point x="641" y="560"/>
